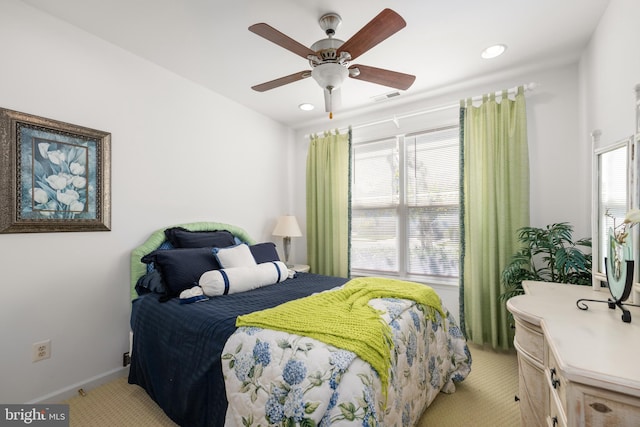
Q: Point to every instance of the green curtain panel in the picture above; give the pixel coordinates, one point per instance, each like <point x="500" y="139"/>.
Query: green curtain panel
<point x="495" y="204"/>
<point x="328" y="204"/>
<point x="463" y="112"/>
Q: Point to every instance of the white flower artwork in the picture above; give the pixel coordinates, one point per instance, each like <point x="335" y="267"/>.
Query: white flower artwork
<point x="59" y="180"/>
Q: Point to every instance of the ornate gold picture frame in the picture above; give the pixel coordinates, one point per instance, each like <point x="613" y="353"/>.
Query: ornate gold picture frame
<point x="54" y="176"/>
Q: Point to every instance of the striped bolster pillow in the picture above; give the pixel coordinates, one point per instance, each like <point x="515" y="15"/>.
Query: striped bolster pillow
<point x="241" y="279"/>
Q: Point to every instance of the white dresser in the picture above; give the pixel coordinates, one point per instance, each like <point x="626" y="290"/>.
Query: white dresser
<point x="577" y="368"/>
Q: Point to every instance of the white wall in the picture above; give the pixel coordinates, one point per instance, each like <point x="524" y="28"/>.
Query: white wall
<point x="180" y="154"/>
<point x="610" y="69"/>
<point x="559" y="159"/>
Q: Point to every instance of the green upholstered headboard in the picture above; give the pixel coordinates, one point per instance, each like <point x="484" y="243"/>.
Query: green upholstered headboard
<point x="157" y="238"/>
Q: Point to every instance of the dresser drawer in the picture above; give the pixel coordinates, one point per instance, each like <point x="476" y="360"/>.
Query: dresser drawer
<point x="557" y="383"/>
<point x="530" y="340"/>
<point x="533" y="391"/>
<point x="607" y="409"/>
<point x="556" y="417"/>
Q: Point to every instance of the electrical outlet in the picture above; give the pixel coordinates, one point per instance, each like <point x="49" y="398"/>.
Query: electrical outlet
<point x="41" y="350"/>
<point x="126" y="359"/>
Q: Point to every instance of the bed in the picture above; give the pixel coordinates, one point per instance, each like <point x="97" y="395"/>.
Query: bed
<point x="203" y="370"/>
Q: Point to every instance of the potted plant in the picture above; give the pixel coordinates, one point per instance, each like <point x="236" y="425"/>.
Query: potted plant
<point x="548" y="254"/>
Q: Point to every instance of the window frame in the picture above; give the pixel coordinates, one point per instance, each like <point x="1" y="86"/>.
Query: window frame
<point x="402" y="211"/>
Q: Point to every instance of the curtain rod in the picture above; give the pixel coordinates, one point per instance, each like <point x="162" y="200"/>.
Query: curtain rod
<point x="395" y="119"/>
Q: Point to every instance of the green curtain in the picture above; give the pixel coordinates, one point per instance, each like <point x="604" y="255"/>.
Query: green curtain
<point x="495" y="204"/>
<point x="328" y="204"/>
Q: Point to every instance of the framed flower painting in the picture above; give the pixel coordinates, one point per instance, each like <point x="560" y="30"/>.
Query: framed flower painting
<point x="54" y="176"/>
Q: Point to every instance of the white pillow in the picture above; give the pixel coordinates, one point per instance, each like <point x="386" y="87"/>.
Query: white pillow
<point x="242" y="279"/>
<point x="235" y="256"/>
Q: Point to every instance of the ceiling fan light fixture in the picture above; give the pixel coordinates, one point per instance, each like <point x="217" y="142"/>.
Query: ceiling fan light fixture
<point x="329" y="75"/>
<point x="493" y="51"/>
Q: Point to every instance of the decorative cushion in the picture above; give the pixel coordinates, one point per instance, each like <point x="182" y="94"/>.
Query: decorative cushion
<point x="192" y="295"/>
<point x="181" y="268"/>
<point x="182" y="238"/>
<point x="241" y="279"/>
<point x="151" y="282"/>
<point x="264" y="252"/>
<point x="234" y="256"/>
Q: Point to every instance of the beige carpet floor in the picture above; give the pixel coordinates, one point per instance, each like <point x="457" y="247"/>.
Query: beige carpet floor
<point x="485" y="398"/>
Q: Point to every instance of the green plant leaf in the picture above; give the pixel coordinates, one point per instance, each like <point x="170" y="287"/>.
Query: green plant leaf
<point x="553" y="249"/>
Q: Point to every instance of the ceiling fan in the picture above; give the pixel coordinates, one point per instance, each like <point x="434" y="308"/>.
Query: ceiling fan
<point x="330" y="58"/>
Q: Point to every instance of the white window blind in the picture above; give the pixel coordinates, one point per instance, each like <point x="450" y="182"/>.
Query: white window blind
<point x="613" y="197"/>
<point x="405" y="205"/>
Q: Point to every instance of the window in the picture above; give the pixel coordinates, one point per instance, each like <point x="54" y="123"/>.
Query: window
<point x="405" y="206"/>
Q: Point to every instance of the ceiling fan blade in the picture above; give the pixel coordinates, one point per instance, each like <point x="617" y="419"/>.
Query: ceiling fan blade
<point x="332" y="100"/>
<point x="384" y="25"/>
<point x="383" y="77"/>
<point x="282" y="81"/>
<point x="282" y="40"/>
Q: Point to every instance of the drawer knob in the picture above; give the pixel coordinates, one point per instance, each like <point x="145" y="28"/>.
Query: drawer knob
<point x="600" y="407"/>
<point x="554" y="381"/>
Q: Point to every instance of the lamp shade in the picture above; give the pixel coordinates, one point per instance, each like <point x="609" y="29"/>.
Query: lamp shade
<point x="287" y="226"/>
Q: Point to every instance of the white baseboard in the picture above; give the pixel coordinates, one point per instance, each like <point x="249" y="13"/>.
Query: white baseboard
<point x="87" y="385"/>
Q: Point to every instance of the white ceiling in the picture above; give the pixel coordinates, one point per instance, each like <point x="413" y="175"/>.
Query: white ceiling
<point x="207" y="41"/>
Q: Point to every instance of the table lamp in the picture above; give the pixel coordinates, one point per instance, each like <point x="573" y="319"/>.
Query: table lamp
<point x="287" y="227"/>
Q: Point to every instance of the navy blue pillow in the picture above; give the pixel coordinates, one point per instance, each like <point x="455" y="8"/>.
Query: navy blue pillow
<point x="151" y="282"/>
<point x="182" y="238"/>
<point x="264" y="252"/>
<point x="181" y="268"/>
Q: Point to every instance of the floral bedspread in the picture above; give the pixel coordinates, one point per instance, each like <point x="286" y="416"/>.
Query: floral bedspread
<point x="274" y="378"/>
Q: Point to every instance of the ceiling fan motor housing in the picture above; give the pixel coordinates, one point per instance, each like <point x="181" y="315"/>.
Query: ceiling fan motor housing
<point x="329" y="22"/>
<point x="326" y="50"/>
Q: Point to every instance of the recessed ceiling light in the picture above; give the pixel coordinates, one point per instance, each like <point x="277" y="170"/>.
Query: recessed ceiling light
<point x="306" y="107"/>
<point x="493" y="51"/>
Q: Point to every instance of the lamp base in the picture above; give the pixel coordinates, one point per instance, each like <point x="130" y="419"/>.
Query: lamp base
<point x="286" y="241"/>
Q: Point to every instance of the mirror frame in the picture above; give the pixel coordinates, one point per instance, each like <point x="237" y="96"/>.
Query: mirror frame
<point x="599" y="272"/>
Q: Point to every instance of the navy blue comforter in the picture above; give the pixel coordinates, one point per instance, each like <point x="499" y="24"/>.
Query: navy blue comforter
<point x="177" y="347"/>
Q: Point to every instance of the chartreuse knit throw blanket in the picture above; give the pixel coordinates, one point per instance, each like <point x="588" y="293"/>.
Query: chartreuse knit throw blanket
<point x="343" y="318"/>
